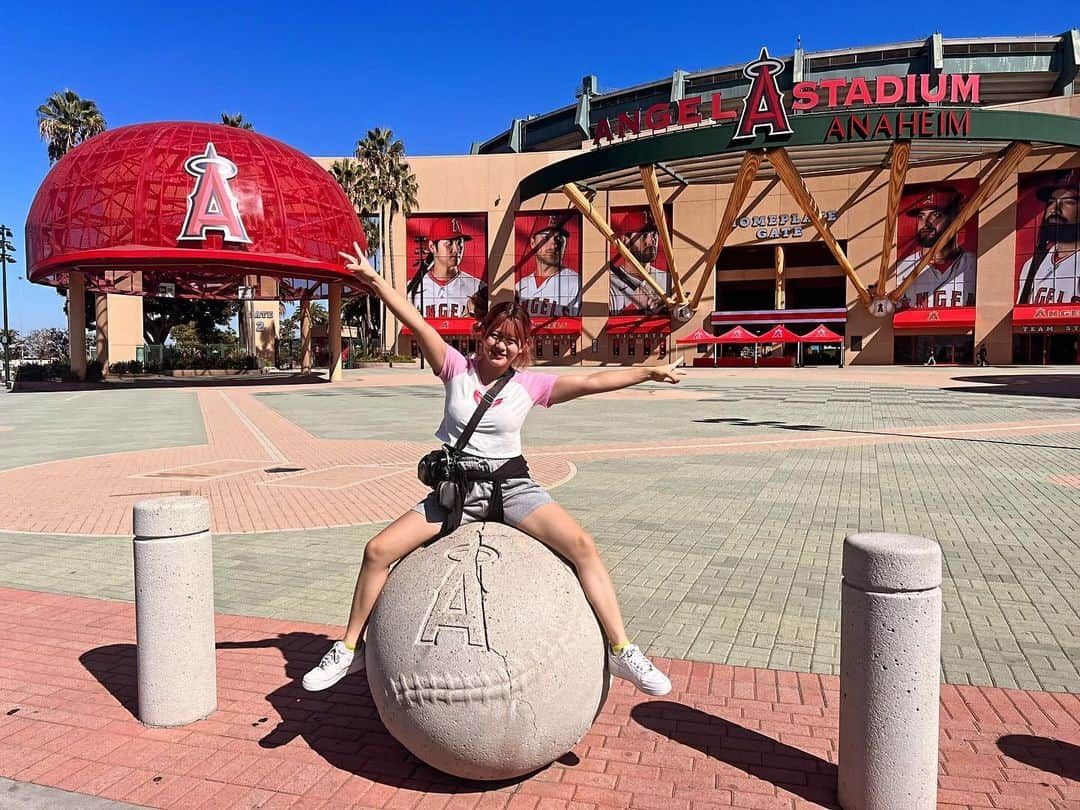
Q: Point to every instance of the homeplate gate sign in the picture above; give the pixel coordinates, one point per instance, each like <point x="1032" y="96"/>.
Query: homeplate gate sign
<point x="841" y="113"/>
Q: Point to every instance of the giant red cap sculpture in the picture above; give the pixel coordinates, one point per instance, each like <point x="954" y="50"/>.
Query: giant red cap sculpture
<point x="193" y="210"/>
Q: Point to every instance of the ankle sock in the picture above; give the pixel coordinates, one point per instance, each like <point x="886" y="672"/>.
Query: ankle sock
<point x="617" y="649"/>
<point x="349" y="647"/>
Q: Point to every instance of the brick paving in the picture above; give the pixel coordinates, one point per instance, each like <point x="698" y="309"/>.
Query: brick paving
<point x="725" y="737"/>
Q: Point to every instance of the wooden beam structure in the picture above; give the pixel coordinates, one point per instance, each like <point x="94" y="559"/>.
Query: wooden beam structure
<point x="740" y="190"/>
<point x="579" y="201"/>
<point x="1003" y="169"/>
<point x="901" y="152"/>
<point x="790" y="177"/>
<point x="656" y="206"/>
<point x="778" y="262"/>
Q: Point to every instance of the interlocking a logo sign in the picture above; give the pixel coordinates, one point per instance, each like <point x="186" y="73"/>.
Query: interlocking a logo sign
<point x="459" y="602"/>
<point x="763" y="107"/>
<point x="212" y="205"/>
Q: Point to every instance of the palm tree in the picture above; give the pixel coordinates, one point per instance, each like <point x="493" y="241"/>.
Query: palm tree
<point x="65" y="120"/>
<point x="358" y="187"/>
<point x="394" y="187"/>
<point x="236" y="121"/>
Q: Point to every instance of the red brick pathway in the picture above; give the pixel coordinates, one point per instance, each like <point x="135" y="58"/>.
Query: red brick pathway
<point x="726" y="737"/>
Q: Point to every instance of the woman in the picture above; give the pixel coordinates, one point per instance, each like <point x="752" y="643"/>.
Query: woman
<point x="503" y="342"/>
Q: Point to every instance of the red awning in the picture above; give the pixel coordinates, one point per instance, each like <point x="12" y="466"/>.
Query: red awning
<point x="942" y="317"/>
<point x="778" y="334"/>
<point x="821" y="334"/>
<point x="697" y="337"/>
<point x="638" y="325"/>
<point x="447" y="326"/>
<point x="556" y="326"/>
<point x="736" y="335"/>
<point x="1046" y="315"/>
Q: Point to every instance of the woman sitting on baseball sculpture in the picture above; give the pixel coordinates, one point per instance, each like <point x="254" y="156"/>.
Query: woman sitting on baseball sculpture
<point x="504" y="341"/>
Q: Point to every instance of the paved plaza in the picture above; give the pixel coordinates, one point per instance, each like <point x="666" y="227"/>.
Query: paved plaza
<point x="720" y="506"/>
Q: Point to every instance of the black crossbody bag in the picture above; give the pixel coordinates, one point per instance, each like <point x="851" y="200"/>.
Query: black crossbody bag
<point x="448" y="470"/>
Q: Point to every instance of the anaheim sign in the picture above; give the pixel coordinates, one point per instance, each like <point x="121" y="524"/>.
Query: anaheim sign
<point x="763" y="111"/>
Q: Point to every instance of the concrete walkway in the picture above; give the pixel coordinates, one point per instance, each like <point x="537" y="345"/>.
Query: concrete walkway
<point x="720" y="507"/>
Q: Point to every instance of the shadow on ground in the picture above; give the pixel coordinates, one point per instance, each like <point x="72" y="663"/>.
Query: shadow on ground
<point x="1024" y="385"/>
<point x="807" y="776"/>
<point x="1050" y="755"/>
<point x="340" y="724"/>
<point x="131" y="383"/>
<point x="738" y="421"/>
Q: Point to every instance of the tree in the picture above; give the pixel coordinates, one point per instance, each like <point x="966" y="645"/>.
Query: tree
<point x="65" y="120"/>
<point x="46" y="344"/>
<point x="359" y="187"/>
<point x="319" y="315"/>
<point x="160" y="315"/>
<point x="393" y="185"/>
<point x="14" y="342"/>
<point x="236" y="121"/>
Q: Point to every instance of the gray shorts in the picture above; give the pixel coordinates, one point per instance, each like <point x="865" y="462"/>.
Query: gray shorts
<point x="521" y="497"/>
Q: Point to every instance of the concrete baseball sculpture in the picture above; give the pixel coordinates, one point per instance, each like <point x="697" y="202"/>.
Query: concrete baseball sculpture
<point x="483" y="655"/>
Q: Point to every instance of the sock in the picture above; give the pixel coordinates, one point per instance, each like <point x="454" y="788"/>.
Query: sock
<point x="617" y="649"/>
<point x="348" y="646"/>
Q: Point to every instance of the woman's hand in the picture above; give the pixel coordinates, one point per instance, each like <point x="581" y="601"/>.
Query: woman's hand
<point x="360" y="267"/>
<point x="668" y="373"/>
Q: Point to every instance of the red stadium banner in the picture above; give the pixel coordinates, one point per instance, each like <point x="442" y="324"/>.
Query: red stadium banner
<point x="950" y="280"/>
<point x="447" y="275"/>
<point x="547" y="268"/>
<point x="1048" y="239"/>
<point x="628" y="292"/>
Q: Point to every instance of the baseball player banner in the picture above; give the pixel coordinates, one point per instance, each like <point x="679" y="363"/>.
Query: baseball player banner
<point x="1048" y="238"/>
<point x="547" y="269"/>
<point x="926" y="210"/>
<point x="628" y="293"/>
<point x="447" y="275"/>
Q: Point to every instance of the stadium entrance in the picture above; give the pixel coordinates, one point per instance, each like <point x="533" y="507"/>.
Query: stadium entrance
<point x="1043" y="349"/>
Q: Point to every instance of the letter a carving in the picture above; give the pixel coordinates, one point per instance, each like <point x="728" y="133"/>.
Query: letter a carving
<point x="212" y="205"/>
<point x="764" y="103"/>
<point x="458" y="604"/>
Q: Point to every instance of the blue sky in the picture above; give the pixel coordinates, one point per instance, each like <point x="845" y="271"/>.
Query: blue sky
<point x="441" y="75"/>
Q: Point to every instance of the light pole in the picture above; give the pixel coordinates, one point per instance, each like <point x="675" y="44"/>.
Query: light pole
<point x="6" y="248"/>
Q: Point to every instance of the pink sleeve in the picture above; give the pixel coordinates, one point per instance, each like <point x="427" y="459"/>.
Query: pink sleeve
<point x="538" y="385"/>
<point x="453" y="364"/>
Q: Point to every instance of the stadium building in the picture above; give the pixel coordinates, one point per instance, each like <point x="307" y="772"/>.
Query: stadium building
<point x="870" y="205"/>
<point x="911" y="198"/>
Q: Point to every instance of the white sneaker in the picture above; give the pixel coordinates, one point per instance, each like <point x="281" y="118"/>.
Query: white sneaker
<point x="633" y="665"/>
<point x="335" y="665"/>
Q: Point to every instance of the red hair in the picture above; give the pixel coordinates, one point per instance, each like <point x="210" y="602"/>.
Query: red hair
<point x="520" y="327"/>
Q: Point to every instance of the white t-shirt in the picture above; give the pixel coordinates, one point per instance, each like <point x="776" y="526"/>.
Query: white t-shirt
<point x="498" y="435"/>
<point x="1054" y="283"/>
<point x="558" y="295"/>
<point x="955" y="287"/>
<point x="447" y="299"/>
<point x="620" y="294"/>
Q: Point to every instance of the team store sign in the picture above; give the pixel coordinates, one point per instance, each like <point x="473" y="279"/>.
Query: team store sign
<point x="763" y="111"/>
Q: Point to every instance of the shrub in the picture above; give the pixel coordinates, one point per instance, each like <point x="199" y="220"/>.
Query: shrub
<point x="94" y="371"/>
<point x="126" y="367"/>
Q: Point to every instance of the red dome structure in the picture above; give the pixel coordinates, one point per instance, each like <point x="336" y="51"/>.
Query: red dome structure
<point x="200" y="208"/>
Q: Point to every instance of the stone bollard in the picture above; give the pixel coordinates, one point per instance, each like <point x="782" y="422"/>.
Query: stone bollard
<point x="890" y="658"/>
<point x="174" y="611"/>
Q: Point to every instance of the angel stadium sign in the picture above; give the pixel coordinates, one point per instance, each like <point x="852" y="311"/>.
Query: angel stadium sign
<point x="764" y="114"/>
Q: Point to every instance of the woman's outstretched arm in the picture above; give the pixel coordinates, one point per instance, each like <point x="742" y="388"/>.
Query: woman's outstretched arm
<point x="431" y="342"/>
<point x="573" y="386"/>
